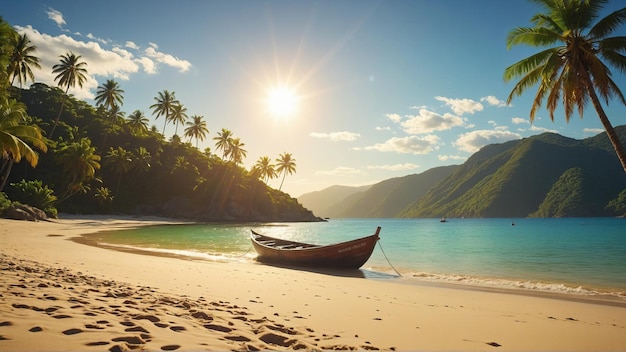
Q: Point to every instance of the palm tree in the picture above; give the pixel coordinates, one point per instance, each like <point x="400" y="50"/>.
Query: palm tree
<point x="120" y="161"/>
<point x="138" y="122"/>
<point x="285" y="165"/>
<point x="15" y="138"/>
<point x="236" y="151"/>
<point x="577" y="69"/>
<point x="265" y="168"/>
<point x="109" y="95"/>
<point x="179" y="115"/>
<point x="164" y="105"/>
<point x="223" y="141"/>
<point x="197" y="129"/>
<point x="7" y="40"/>
<point x="22" y="60"/>
<point x="69" y="73"/>
<point x="79" y="163"/>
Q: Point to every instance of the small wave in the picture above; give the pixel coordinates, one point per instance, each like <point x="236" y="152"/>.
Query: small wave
<point x="548" y="287"/>
<point x="191" y="254"/>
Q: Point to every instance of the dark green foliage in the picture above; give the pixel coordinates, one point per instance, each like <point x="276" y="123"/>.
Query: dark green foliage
<point x="141" y="172"/>
<point x="618" y="205"/>
<point x="35" y="194"/>
<point x="5" y="202"/>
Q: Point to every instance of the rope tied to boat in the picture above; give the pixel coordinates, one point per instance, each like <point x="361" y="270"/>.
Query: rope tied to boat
<point x="384" y="254"/>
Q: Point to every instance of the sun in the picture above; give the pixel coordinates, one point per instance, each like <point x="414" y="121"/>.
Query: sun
<point x="282" y="102"/>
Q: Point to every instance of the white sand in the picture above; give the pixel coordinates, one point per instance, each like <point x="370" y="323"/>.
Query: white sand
<point x="56" y="294"/>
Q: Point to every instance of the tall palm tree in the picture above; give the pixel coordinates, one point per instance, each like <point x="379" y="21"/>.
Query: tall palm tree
<point x="138" y="122"/>
<point x="197" y="129"/>
<point x="22" y="60"/>
<point x="79" y="163"/>
<point x="236" y="151"/>
<point x="109" y="95"/>
<point x="164" y="104"/>
<point x="179" y="115"/>
<point x="69" y="72"/>
<point x="265" y="168"/>
<point x="575" y="69"/>
<point x="223" y="140"/>
<point x="16" y="138"/>
<point x="285" y="165"/>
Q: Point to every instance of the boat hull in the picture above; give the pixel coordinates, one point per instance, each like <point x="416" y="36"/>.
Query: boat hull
<point x="348" y="255"/>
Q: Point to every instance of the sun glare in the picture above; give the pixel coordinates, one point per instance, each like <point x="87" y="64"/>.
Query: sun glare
<point x="282" y="102"/>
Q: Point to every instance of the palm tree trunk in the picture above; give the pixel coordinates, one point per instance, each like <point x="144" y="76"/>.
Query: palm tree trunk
<point x="283" y="180"/>
<point x="5" y="177"/>
<point x="610" y="131"/>
<point x="59" y="116"/>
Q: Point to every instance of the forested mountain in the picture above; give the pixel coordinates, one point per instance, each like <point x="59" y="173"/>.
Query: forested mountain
<point x="382" y="200"/>
<point x="547" y="175"/>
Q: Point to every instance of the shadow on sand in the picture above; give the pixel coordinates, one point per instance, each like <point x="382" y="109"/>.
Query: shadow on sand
<point x="356" y="273"/>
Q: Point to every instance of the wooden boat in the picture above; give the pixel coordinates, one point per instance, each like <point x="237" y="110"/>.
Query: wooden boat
<point x="351" y="254"/>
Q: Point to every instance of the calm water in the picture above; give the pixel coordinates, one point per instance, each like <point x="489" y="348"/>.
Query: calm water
<point x="578" y="255"/>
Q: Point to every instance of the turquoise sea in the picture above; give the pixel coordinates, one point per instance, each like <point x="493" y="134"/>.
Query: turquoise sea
<point x="583" y="256"/>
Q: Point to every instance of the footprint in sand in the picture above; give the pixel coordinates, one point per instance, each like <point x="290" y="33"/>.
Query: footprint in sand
<point x="72" y="331"/>
<point x="170" y="347"/>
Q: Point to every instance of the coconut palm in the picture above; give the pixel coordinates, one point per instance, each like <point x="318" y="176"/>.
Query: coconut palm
<point x="22" y="60"/>
<point x="197" y="129"/>
<point x="265" y="168"/>
<point x="223" y="140"/>
<point x="164" y="105"/>
<point x="576" y="69"/>
<point x="79" y="163"/>
<point x="16" y="138"/>
<point x="109" y="95"/>
<point x="69" y="72"/>
<point x="120" y="161"/>
<point x="285" y="164"/>
<point x="236" y="151"/>
<point x="179" y="115"/>
<point x="138" y="122"/>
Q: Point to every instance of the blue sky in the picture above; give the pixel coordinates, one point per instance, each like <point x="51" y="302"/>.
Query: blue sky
<point x="383" y="88"/>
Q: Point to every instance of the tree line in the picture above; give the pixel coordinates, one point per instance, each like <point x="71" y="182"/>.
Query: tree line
<point x="81" y="158"/>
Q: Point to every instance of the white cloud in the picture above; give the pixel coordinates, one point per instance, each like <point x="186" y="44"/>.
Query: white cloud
<point x="396" y="167"/>
<point x="339" y="171"/>
<point x="462" y="106"/>
<point x="451" y="157"/>
<point x="519" y="120"/>
<point x="427" y="122"/>
<point x="167" y="59"/>
<point x="56" y="16"/>
<point x="408" y="145"/>
<point x="115" y="62"/>
<point x="542" y="129"/>
<point x="394" y="118"/>
<point x="131" y="45"/>
<point x="148" y="65"/>
<point x="387" y="128"/>
<point x="471" y="142"/>
<point x="336" y="136"/>
<point x="493" y="101"/>
<point x="593" y="130"/>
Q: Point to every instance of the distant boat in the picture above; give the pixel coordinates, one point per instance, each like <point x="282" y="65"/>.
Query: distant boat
<point x="351" y="254"/>
<point x="443" y="219"/>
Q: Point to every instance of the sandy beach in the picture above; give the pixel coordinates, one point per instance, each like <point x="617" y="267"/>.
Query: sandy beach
<point x="57" y="294"/>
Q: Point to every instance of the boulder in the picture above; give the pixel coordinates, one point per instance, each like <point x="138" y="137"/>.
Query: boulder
<point x="17" y="211"/>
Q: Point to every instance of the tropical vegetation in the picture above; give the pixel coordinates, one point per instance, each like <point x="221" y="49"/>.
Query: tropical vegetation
<point x="95" y="159"/>
<point x="576" y="70"/>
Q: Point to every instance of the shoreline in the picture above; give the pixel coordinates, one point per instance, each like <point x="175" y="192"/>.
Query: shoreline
<point x="284" y="309"/>
<point x="590" y="294"/>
